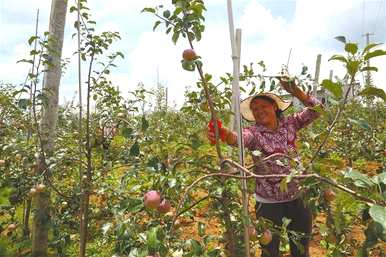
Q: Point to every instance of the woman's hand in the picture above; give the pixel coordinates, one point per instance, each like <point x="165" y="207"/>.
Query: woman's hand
<point x="225" y="135"/>
<point x="290" y="86"/>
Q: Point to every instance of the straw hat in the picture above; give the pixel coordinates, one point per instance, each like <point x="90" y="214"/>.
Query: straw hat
<point x="245" y="106"/>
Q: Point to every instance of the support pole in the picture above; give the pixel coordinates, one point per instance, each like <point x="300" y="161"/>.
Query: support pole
<point x="236" y="52"/>
<point x="317" y="72"/>
<point x="368" y="73"/>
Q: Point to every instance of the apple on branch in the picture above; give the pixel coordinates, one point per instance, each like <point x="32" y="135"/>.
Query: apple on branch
<point x="189" y="55"/>
<point x="152" y="199"/>
<point x="164" y="206"/>
<point x="266" y="237"/>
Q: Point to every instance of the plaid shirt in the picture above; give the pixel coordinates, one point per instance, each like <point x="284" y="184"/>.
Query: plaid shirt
<point x="258" y="137"/>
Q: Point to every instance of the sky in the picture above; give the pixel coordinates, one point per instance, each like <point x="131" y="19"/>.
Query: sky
<point x="270" y="28"/>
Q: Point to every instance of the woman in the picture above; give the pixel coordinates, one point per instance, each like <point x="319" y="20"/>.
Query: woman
<point x="274" y="133"/>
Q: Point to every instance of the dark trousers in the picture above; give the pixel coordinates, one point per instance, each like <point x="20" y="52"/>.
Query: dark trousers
<point x="301" y="221"/>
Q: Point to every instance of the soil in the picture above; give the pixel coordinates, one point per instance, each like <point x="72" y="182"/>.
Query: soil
<point x="213" y="227"/>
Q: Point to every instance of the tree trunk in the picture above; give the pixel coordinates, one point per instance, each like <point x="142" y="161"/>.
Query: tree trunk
<point x="48" y="122"/>
<point x="27" y="212"/>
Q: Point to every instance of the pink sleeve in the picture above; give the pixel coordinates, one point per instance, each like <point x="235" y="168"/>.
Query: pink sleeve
<point x="248" y="137"/>
<point x="307" y="115"/>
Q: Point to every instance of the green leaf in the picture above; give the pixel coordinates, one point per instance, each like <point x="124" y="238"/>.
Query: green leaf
<point x="214" y="253"/>
<point x="304" y="70"/>
<point x="105" y="228"/>
<point x="272" y="86"/>
<point x="262" y="85"/>
<point x="134" y="149"/>
<point x="32" y="39"/>
<point x="197" y="248"/>
<point x="332" y="87"/>
<point x="177" y="11"/>
<point x="23" y="103"/>
<point x="201" y="229"/>
<point x="147" y="9"/>
<point x="369" y="69"/>
<point x="373" y="91"/>
<point x="378" y="213"/>
<point x="361" y="123"/>
<point x="380" y="178"/>
<point x="373" y="54"/>
<point x="145" y="123"/>
<point x="351" y="48"/>
<point x="337" y="57"/>
<point x="127" y="132"/>
<point x="207" y="77"/>
<point x="166" y="14"/>
<point x="360" y="180"/>
<point x="156" y="25"/>
<point x="318" y="108"/>
<point x="352" y="67"/>
<point x="152" y="241"/>
<point x="73" y="9"/>
<point x="369" y="46"/>
<point x="341" y="39"/>
<point x="25" y="60"/>
<point x="198" y="62"/>
<point x="283" y="185"/>
<point x="175" y="36"/>
<point x="172" y="182"/>
<point x="189" y="66"/>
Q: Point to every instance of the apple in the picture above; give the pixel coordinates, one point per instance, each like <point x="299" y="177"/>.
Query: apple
<point x="329" y="195"/>
<point x="12" y="227"/>
<point x="266" y="238"/>
<point x="164" y="206"/>
<point x="2" y="163"/>
<point x="211" y="125"/>
<point x="152" y="199"/>
<point x="18" y="157"/>
<point x="189" y="55"/>
<point x="40" y="188"/>
<point x="252" y="233"/>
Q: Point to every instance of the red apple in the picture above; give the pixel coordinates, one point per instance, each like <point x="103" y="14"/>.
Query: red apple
<point x="266" y="238"/>
<point x="164" y="207"/>
<point x="2" y="163"/>
<point x="152" y="199"/>
<point x="329" y="195"/>
<point x="189" y="55"/>
<point x="252" y="233"/>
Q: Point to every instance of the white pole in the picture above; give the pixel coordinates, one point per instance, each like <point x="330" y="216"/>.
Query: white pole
<point x="317" y="72"/>
<point x="236" y="51"/>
